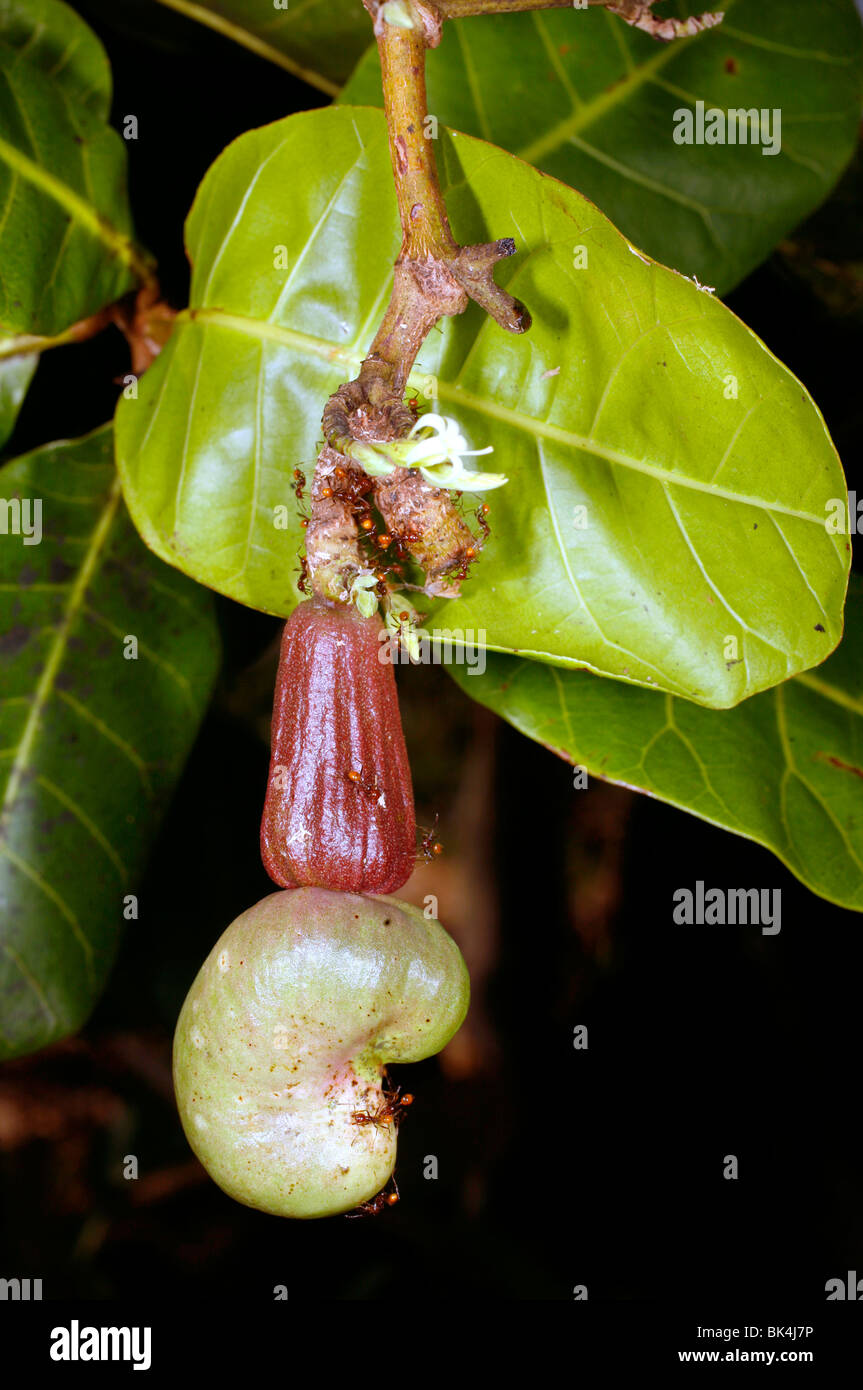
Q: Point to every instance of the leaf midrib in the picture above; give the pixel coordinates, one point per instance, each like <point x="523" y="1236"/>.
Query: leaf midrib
<point x="538" y="429"/>
<point x="121" y="247"/>
<point x="47" y="680"/>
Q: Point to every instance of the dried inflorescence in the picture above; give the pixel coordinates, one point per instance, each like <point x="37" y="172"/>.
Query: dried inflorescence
<point x="426" y="520"/>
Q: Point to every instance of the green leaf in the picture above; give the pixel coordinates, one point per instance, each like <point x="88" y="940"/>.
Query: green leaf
<point x="66" y="248"/>
<point x="706" y="513"/>
<point x="784" y="769"/>
<point x="91" y="743"/>
<point x="54" y="39"/>
<point x="16" y="373"/>
<point x="317" y="40"/>
<point x="593" y="102"/>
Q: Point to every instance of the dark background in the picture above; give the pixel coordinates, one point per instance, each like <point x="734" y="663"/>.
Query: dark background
<point x="557" y="1167"/>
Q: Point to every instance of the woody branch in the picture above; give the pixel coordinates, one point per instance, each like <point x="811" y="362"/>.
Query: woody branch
<point x="433" y="277"/>
<point x="638" y="13"/>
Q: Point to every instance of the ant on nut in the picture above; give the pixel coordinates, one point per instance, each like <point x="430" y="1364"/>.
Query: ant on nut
<point x="389" y="1110"/>
<point x="387" y="1197"/>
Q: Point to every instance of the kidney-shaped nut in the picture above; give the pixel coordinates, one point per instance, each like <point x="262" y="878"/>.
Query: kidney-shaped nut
<point x="282" y="1040"/>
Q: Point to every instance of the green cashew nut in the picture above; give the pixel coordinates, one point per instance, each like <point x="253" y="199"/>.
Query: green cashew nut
<point x="282" y="1040"/>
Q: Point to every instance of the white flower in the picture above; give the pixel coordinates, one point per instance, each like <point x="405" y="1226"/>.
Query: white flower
<point x="437" y="448"/>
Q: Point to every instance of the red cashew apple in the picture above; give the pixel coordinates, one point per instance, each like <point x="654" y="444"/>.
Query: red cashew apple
<point x="339" y="809"/>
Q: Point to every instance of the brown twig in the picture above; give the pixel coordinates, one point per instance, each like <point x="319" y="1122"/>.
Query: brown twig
<point x="634" y="12"/>
<point x="434" y="277"/>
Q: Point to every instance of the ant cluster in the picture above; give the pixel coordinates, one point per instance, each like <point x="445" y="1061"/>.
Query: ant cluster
<point x="388" y="552"/>
<point x="460" y="570"/>
<point x="298" y="486"/>
<point x="388" y="1111"/>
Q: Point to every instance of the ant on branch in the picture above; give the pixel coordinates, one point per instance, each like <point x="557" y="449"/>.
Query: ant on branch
<point x="462" y="565"/>
<point x="459" y="571"/>
<point x="302" y="582"/>
<point x="351" y="487"/>
<point x="387" y="1197"/>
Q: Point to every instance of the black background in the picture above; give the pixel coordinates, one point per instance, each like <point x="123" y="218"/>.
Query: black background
<point x="557" y="1167"/>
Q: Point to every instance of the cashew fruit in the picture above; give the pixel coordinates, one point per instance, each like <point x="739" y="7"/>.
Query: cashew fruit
<point x="339" y="809"/>
<point x="281" y="1044"/>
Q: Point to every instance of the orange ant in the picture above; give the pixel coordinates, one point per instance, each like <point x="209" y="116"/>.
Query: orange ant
<point x="481" y="514"/>
<point x="460" y="568"/>
<point x="430" y="846"/>
<point x="299" y="483"/>
<point x="369" y="786"/>
<point x="387" y="1197"/>
<point x="302" y="582"/>
<point x="351" y="487"/>
<point x="389" y="1110"/>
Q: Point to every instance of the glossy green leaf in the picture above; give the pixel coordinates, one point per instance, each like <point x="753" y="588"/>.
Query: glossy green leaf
<point x="318" y="40"/>
<point x="593" y="102"/>
<point x="785" y="768"/>
<point x="91" y="741"/>
<point x="705" y="566"/>
<point x="16" y="373"/>
<point x="66" y="248"/>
